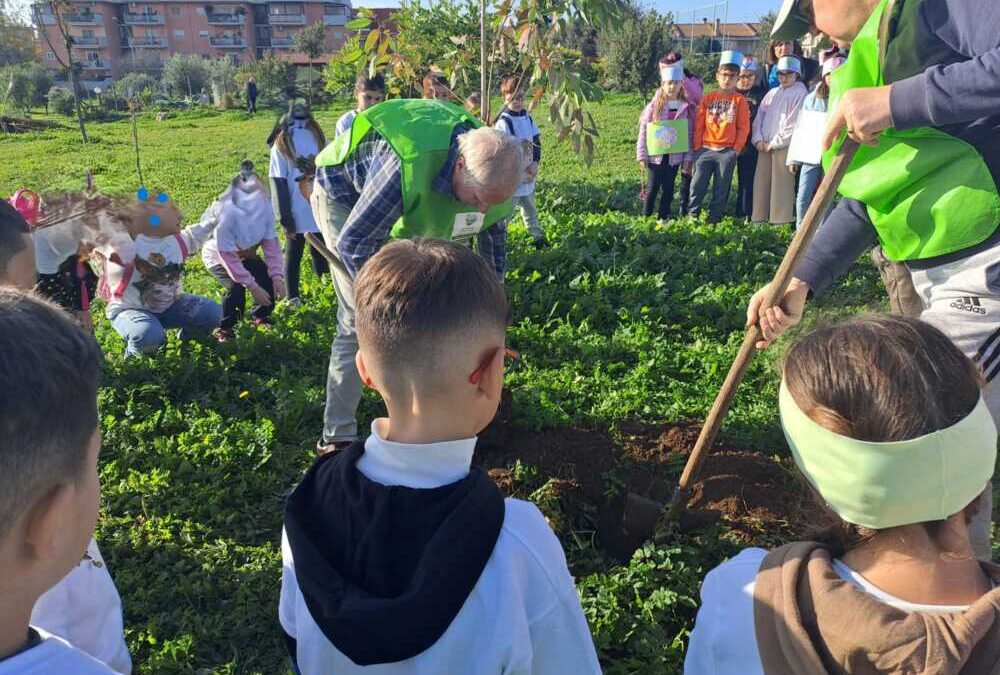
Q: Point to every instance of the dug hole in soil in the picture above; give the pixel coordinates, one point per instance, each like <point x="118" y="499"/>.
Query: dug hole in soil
<point x="757" y="495"/>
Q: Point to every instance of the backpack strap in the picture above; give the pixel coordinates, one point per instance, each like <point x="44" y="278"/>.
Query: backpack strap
<point x="182" y="244"/>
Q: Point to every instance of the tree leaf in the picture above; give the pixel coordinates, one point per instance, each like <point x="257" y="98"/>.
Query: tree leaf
<point x="359" y="23"/>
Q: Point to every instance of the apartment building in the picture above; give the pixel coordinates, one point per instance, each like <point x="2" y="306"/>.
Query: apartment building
<point x="108" y="33"/>
<point x="743" y="36"/>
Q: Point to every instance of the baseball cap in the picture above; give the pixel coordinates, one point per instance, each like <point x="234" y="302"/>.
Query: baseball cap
<point x="792" y="22"/>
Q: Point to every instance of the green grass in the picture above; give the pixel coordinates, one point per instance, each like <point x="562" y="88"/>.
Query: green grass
<point x="620" y="320"/>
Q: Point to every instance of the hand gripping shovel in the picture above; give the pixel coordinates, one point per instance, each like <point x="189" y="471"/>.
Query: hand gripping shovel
<point x="637" y="509"/>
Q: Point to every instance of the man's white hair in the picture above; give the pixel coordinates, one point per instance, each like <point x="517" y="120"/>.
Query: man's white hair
<point x="493" y="158"/>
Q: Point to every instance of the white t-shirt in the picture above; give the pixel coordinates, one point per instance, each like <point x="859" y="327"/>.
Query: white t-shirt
<point x="345" y="122"/>
<point x="85" y="610"/>
<point x="524" y="129"/>
<point x="53" y="656"/>
<point x="243" y="224"/>
<point x="305" y="145"/>
<point x="724" y="641"/>
<point x="523" y="616"/>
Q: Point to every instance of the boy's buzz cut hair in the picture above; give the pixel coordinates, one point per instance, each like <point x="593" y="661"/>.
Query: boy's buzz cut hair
<point x="730" y="68"/>
<point x="422" y="304"/>
<point x="13" y="227"/>
<point x="373" y="83"/>
<point x="50" y="370"/>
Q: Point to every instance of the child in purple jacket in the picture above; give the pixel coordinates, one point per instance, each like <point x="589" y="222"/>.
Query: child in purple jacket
<point x="668" y="104"/>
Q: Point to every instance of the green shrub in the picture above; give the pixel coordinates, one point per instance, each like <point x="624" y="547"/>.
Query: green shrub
<point x="61" y="101"/>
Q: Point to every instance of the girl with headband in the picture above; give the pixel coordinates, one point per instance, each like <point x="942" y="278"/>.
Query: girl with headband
<point x="886" y="422"/>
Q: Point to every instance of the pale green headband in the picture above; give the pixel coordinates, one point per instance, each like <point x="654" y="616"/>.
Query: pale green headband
<point x="883" y="485"/>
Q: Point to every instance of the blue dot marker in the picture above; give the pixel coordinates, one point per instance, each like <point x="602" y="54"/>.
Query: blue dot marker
<point x="142" y="194"/>
<point x="154" y="220"/>
<point x="162" y="198"/>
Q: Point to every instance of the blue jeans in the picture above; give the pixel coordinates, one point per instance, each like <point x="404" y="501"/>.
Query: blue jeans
<point x="145" y="332"/>
<point x="717" y="165"/>
<point x="810" y="176"/>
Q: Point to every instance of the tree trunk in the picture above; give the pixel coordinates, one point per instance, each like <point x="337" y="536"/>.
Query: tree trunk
<point x="309" y="77"/>
<point x="484" y="112"/>
<point x="76" y="100"/>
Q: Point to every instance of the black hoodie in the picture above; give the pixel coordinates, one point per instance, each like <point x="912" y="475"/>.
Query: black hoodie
<point x="384" y="569"/>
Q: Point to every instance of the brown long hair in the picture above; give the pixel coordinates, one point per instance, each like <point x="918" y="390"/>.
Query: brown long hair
<point x="879" y="378"/>
<point x="796" y="50"/>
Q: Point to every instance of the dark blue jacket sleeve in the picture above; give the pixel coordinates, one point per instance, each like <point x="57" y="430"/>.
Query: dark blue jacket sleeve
<point x="845" y="234"/>
<point x="959" y="92"/>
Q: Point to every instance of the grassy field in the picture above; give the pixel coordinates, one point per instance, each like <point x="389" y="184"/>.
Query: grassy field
<point x="626" y="330"/>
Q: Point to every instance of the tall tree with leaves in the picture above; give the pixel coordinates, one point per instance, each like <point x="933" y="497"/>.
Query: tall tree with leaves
<point x="60" y="10"/>
<point x="634" y="48"/>
<point x="310" y="41"/>
<point x="16" y="43"/>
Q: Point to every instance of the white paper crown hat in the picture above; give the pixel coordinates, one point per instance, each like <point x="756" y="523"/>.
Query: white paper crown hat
<point x="731" y="58"/>
<point x="789" y="64"/>
<point x="672" y="73"/>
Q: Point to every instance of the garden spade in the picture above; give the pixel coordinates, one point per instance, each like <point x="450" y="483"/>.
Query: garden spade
<point x="637" y="510"/>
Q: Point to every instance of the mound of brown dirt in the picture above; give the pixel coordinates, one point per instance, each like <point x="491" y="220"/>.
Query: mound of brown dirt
<point x="756" y="495"/>
<point x="21" y="125"/>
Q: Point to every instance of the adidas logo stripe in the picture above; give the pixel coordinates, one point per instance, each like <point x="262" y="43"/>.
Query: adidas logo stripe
<point x="969" y="305"/>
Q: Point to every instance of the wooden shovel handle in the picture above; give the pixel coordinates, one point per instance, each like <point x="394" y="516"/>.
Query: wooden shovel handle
<point x="810" y="224"/>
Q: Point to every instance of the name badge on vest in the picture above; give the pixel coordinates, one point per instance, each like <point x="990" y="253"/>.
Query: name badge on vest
<point x="467" y="224"/>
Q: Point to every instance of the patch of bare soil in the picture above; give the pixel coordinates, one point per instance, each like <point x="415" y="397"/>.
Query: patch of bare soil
<point x="21" y="125"/>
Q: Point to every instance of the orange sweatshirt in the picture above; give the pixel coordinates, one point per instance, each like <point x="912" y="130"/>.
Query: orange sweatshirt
<point x="723" y="121"/>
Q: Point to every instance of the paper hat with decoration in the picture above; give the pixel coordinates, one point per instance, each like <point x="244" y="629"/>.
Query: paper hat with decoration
<point x="790" y="64"/>
<point x="731" y="58"/>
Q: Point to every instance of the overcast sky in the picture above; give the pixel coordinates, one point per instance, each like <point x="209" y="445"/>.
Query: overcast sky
<point x="739" y="10"/>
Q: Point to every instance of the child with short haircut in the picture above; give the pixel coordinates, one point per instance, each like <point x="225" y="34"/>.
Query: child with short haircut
<point x="474" y="103"/>
<point x="397" y="554"/>
<point x="143" y="290"/>
<point x="435" y="86"/>
<point x="722" y="127"/>
<point x="774" y="185"/>
<point x="886" y="421"/>
<point x="49" y="489"/>
<point x="233" y="254"/>
<point x="515" y="119"/>
<point x="669" y="104"/>
<point x="368" y="91"/>
<point x="17" y="251"/>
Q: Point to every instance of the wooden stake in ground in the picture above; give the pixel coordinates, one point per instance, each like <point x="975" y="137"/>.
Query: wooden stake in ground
<point x="810" y="224"/>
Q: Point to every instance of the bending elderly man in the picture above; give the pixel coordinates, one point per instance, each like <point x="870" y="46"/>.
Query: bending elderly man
<point x="406" y="168"/>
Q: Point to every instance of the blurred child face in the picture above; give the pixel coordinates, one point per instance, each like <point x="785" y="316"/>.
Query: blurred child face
<point x="153" y="219"/>
<point x="673" y="88"/>
<point x="367" y="98"/>
<point x="746" y="80"/>
<point x="20" y="269"/>
<point x="826" y="79"/>
<point x="726" y="77"/>
<point x="787" y="78"/>
<point x="515" y="101"/>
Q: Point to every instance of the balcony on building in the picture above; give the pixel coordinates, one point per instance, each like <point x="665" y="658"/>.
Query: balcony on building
<point x="225" y="19"/>
<point x="287" y="14"/>
<point x="281" y="42"/>
<point x="143" y="19"/>
<point x="89" y="41"/>
<point x="93" y="65"/>
<point x="335" y="15"/>
<point x="86" y="18"/>
<point x="150" y="41"/>
<point x="226" y="42"/>
<point x="44" y="14"/>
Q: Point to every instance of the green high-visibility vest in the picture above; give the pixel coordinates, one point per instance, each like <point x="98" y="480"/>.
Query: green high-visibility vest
<point x="928" y="193"/>
<point x="419" y="132"/>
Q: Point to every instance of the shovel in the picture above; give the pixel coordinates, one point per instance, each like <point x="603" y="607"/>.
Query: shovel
<point x="638" y="510"/>
<point x="327" y="254"/>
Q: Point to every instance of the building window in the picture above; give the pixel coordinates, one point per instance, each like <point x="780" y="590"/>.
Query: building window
<point x="88" y="33"/>
<point x="200" y="10"/>
<point x="338" y="35"/>
<point x="178" y="35"/>
<point x="175" y="10"/>
<point x="203" y="34"/>
<point x="50" y="56"/>
<point x="334" y="10"/>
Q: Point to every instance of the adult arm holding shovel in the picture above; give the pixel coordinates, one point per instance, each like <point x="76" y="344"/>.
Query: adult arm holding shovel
<point x="921" y="92"/>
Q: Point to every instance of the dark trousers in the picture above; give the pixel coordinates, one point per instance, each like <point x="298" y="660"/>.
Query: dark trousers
<point x="685" y="192"/>
<point x="660" y="181"/>
<point x="294" y="248"/>
<point x="717" y="166"/>
<point x="746" y="167"/>
<point x="252" y="105"/>
<point x="234" y="301"/>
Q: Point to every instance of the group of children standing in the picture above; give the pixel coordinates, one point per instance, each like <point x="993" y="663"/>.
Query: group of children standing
<point x="741" y="128"/>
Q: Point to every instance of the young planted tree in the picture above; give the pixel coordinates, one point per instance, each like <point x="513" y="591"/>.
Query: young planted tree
<point x="310" y="41"/>
<point x="60" y="10"/>
<point x="185" y="74"/>
<point x="522" y="37"/>
<point x="633" y="49"/>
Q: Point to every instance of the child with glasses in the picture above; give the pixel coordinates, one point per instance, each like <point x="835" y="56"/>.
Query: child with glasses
<point x="397" y="553"/>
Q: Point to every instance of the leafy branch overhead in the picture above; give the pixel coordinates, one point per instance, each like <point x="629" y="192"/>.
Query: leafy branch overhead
<point x="524" y="38"/>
